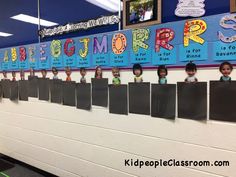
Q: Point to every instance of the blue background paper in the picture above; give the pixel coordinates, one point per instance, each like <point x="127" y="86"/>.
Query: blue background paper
<point x="164" y="56"/>
<point x="45" y="64"/>
<point x="194" y="52"/>
<point x="5" y="65"/>
<point x="176" y="58"/>
<point x="224" y="51"/>
<point x="33" y="61"/>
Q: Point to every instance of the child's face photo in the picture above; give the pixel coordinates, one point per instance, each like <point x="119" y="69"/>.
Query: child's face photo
<point x="99" y="71"/>
<point x="44" y="73"/>
<point x="226" y="70"/>
<point x="68" y="72"/>
<point x="83" y="72"/>
<point x="55" y="73"/>
<point x="4" y="74"/>
<point x="22" y="74"/>
<point x="137" y="72"/>
<point x="31" y="72"/>
<point x="191" y="72"/>
<point x="162" y="73"/>
<point x="115" y="73"/>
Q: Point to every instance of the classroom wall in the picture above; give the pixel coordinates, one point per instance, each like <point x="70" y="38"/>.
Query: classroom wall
<point x="75" y="143"/>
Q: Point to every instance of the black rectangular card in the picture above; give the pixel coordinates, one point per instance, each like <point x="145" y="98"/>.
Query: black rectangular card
<point x="192" y="100"/>
<point x="43" y="89"/>
<point x="23" y="90"/>
<point x="69" y="93"/>
<point x="118" y="103"/>
<point x="139" y="98"/>
<point x="163" y="101"/>
<point x="100" y="92"/>
<point x="223" y="101"/>
<point x="14" y="91"/>
<point x="33" y="86"/>
<point x="56" y="86"/>
<point x="6" y="88"/>
<point x="83" y="92"/>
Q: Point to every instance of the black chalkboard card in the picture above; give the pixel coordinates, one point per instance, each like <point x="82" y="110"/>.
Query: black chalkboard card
<point x="33" y="86"/>
<point x="14" y="90"/>
<point x="56" y="86"/>
<point x="23" y="90"/>
<point x="118" y="103"/>
<point x="192" y="100"/>
<point x="43" y="88"/>
<point x="83" y="92"/>
<point x="223" y="101"/>
<point x="69" y="88"/>
<point x="6" y="88"/>
<point x="100" y="92"/>
<point x="163" y="101"/>
<point x="139" y="98"/>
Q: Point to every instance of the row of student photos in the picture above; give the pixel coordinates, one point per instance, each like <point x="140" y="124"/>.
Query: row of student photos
<point x="158" y="100"/>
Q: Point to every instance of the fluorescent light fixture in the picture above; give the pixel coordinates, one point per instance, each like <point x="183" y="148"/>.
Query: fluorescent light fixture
<point x="33" y="20"/>
<point x="5" y="34"/>
<point x="110" y="5"/>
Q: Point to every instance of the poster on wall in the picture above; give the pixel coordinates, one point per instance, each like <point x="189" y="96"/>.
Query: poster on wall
<point x="141" y="50"/>
<point x="84" y="54"/>
<point x="164" y="53"/>
<point x="166" y="44"/>
<point x="33" y="53"/>
<point x="56" y="54"/>
<point x="5" y="57"/>
<point x="44" y="58"/>
<point x="190" y="8"/>
<point x="23" y="58"/>
<point x="14" y="61"/>
<point x="69" y="55"/>
<point x="119" y="55"/>
<point x="224" y="51"/>
<point x="100" y="51"/>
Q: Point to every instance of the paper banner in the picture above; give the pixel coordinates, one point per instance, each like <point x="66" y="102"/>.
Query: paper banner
<point x="193" y="52"/>
<point x="224" y="51"/>
<point x="84" y="54"/>
<point x="44" y="59"/>
<point x="141" y="52"/>
<point x="119" y="54"/>
<point x="100" y="51"/>
<point x="164" y="57"/>
<point x="23" y="58"/>
<point x="34" y="54"/>
<point x="192" y="31"/>
<point x="5" y="55"/>
<point x="69" y="55"/>
<point x="56" y="54"/>
<point x="14" y="62"/>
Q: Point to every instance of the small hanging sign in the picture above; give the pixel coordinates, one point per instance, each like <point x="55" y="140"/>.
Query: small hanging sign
<point x="192" y="8"/>
<point x="68" y="28"/>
